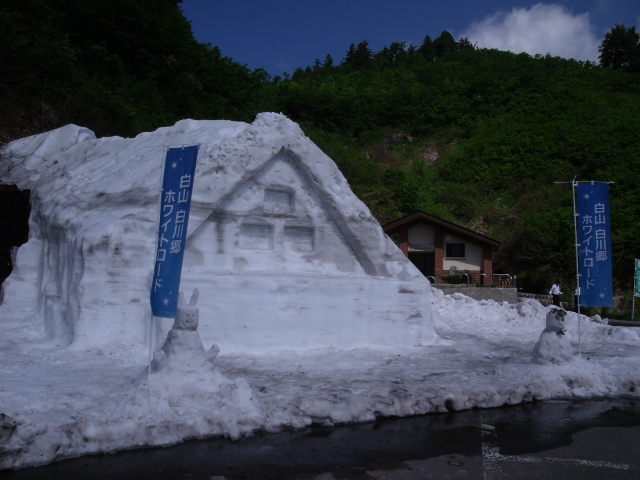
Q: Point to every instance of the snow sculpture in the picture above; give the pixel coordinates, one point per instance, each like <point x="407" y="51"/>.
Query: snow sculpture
<point x="183" y="376"/>
<point x="553" y="347"/>
<point x="183" y="350"/>
<point x="284" y="254"/>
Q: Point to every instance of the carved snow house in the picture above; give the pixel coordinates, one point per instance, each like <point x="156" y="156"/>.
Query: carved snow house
<point x="283" y="253"/>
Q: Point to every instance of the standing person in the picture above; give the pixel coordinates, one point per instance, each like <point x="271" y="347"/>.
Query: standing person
<point x="555" y="293"/>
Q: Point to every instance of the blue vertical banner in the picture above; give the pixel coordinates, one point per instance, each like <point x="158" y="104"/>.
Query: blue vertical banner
<point x="594" y="237"/>
<point x="175" y="203"/>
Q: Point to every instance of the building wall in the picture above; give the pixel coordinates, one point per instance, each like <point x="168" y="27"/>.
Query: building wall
<point x="422" y="235"/>
<point x="473" y="259"/>
<point x="419" y="236"/>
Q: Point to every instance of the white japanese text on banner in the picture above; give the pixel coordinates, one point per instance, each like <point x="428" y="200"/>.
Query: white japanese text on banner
<point x="175" y="202"/>
<point x="594" y="235"/>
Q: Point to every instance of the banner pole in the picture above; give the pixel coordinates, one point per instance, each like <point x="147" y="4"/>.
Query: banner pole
<point x="575" y="233"/>
<point x="150" y="349"/>
<point x="635" y="286"/>
<point x="175" y="204"/>
<point x="605" y="251"/>
<point x="151" y="316"/>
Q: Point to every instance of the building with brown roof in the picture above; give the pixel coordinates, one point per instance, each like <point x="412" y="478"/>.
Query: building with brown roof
<point x="440" y="248"/>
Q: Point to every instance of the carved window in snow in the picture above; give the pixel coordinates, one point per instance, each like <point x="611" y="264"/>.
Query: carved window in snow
<point x="256" y="236"/>
<point x="299" y="239"/>
<point x="278" y="201"/>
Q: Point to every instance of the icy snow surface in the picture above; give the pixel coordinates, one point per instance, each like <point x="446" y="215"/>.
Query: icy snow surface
<point x="326" y="322"/>
<point x="59" y="403"/>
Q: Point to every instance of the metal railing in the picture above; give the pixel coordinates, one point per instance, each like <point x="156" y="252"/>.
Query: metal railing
<point x="454" y="275"/>
<point x="484" y="282"/>
<point x="508" y="282"/>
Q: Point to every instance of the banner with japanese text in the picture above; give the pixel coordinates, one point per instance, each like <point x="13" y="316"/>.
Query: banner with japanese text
<point x="636" y="284"/>
<point x="594" y="237"/>
<point x="175" y="202"/>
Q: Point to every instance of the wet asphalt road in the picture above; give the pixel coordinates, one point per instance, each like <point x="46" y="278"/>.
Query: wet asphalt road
<point x="543" y="440"/>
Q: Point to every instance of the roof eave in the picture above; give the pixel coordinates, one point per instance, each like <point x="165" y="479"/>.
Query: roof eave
<point x="444" y="223"/>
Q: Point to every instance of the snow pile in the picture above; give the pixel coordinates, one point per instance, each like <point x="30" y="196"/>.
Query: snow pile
<point x="553" y="346"/>
<point x="182" y="378"/>
<point x="59" y="403"/>
<point x="277" y="242"/>
<point x="307" y="312"/>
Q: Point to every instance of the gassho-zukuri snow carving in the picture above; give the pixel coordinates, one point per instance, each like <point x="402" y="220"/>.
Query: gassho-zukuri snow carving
<point x="284" y="254"/>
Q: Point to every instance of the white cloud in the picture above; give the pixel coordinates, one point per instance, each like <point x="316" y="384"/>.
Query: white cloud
<point x="541" y="29"/>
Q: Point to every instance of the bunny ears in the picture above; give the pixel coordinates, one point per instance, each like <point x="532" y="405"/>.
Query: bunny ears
<point x="194" y="297"/>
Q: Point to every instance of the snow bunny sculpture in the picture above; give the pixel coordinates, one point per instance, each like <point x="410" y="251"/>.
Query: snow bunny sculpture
<point x="183" y="350"/>
<point x="183" y="380"/>
<point x="553" y="346"/>
<point x="188" y="316"/>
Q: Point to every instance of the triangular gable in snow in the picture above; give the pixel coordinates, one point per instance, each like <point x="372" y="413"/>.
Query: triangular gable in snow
<point x="282" y="251"/>
<point x="279" y="212"/>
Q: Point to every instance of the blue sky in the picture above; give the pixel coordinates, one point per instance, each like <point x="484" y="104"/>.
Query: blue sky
<point x="281" y="35"/>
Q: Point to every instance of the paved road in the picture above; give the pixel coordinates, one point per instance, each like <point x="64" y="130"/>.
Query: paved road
<point x="624" y="323"/>
<point x="545" y="440"/>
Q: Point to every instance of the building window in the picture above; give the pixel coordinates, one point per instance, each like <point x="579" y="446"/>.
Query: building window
<point x="256" y="236"/>
<point x="278" y="201"/>
<point x="455" y="250"/>
<point x="299" y="239"/>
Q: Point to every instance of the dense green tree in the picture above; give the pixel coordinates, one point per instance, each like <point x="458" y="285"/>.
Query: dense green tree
<point x="115" y="66"/>
<point x="506" y="125"/>
<point x="427" y="49"/>
<point x="621" y="48"/>
<point x="359" y="57"/>
<point x="444" y="44"/>
<point x="37" y="67"/>
<point x="475" y="136"/>
<point x="464" y="44"/>
<point x="328" y="61"/>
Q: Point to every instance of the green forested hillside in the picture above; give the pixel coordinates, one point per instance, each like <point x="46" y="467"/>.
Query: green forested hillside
<point x="474" y="136"/>
<point x="117" y="66"/>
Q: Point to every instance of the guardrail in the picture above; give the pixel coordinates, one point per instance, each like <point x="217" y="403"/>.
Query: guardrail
<point x="484" y="282"/>
<point x="455" y="275"/>
<point x="505" y="280"/>
<point x="508" y="282"/>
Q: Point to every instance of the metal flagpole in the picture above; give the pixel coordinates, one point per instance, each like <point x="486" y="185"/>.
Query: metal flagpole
<point x="574" y="184"/>
<point x="151" y="320"/>
<point x="176" y="188"/>
<point x="633" y="297"/>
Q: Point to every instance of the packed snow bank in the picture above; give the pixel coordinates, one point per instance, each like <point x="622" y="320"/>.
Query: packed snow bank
<point x="60" y="403"/>
<point x="183" y="378"/>
<point x="283" y="252"/>
<point x="290" y="266"/>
